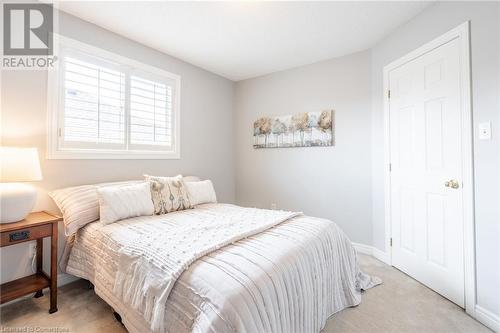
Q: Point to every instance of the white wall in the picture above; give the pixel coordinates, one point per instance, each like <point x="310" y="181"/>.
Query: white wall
<point x="206" y="130"/>
<point x="329" y="182"/>
<point x="431" y="23"/>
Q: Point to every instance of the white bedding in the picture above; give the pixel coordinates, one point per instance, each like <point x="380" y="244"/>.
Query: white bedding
<point x="289" y="278"/>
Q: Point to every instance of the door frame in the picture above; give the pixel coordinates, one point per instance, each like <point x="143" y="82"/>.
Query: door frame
<point x="462" y="33"/>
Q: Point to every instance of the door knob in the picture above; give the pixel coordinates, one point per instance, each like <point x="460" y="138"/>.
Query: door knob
<point x="452" y="183"/>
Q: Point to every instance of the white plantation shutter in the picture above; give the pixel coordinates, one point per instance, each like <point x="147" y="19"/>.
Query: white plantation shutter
<point x="150" y="112"/>
<point x="109" y="106"/>
<point x="94" y="102"/>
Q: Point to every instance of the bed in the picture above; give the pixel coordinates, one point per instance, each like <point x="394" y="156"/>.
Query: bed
<point x="289" y="276"/>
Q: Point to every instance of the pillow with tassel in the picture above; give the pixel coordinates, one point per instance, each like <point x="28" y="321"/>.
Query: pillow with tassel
<point x="169" y="194"/>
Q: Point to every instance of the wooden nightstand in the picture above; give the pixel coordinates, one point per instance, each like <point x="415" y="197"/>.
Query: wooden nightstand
<point x="35" y="226"/>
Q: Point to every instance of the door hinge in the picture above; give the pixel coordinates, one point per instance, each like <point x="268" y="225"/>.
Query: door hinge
<point x="59" y="131"/>
<point x="390" y="167"/>
<point x="390" y="242"/>
<point x="389" y="93"/>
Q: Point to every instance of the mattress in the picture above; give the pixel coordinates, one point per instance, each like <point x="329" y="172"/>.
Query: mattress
<point x="289" y="278"/>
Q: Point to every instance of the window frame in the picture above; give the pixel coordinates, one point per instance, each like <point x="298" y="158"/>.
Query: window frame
<point x="55" y="106"/>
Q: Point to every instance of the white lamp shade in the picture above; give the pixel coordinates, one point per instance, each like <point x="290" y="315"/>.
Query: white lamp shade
<point x="19" y="165"/>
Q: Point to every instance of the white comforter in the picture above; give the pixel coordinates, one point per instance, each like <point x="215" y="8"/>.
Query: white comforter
<point x="289" y="278"/>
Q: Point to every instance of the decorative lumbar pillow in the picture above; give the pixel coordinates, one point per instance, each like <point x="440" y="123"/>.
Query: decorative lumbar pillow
<point x="123" y="201"/>
<point x="201" y="192"/>
<point x="79" y="205"/>
<point x="169" y="194"/>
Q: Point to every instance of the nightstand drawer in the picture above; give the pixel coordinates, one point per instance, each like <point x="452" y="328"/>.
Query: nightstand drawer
<point x="27" y="234"/>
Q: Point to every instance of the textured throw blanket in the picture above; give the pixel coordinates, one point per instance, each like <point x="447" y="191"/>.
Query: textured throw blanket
<point x="151" y="262"/>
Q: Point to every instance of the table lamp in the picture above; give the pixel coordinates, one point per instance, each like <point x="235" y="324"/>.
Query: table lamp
<point x="17" y="165"/>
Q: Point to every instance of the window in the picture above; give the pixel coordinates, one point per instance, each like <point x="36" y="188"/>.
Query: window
<point x="150" y="107"/>
<point x="102" y="105"/>
<point x="94" y="105"/>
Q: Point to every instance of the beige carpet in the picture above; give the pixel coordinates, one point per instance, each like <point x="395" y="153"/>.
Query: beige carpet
<point x="399" y="305"/>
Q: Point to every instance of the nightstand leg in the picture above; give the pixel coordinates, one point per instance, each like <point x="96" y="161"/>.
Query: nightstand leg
<point x="53" y="269"/>
<point x="39" y="262"/>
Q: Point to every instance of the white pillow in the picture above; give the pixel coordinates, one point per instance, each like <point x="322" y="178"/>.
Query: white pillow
<point x="79" y="205"/>
<point x="201" y="192"/>
<point x="191" y="179"/>
<point x="123" y="201"/>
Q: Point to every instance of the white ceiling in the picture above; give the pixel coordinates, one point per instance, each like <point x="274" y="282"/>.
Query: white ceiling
<point x="240" y="40"/>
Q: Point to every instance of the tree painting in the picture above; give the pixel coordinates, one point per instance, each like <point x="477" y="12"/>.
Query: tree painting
<point x="306" y="129"/>
<point x="291" y="129"/>
<point x="279" y="129"/>
<point x="312" y="124"/>
<point x="301" y="123"/>
<point x="325" y="123"/>
<point x="256" y="133"/>
<point x="265" y="127"/>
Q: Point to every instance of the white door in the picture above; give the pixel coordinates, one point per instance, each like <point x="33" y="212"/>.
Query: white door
<point x="426" y="159"/>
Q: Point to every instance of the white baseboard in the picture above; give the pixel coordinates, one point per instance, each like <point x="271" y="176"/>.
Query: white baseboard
<point x="62" y="279"/>
<point x="372" y="251"/>
<point x="362" y="248"/>
<point x="382" y="256"/>
<point x="487" y="318"/>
